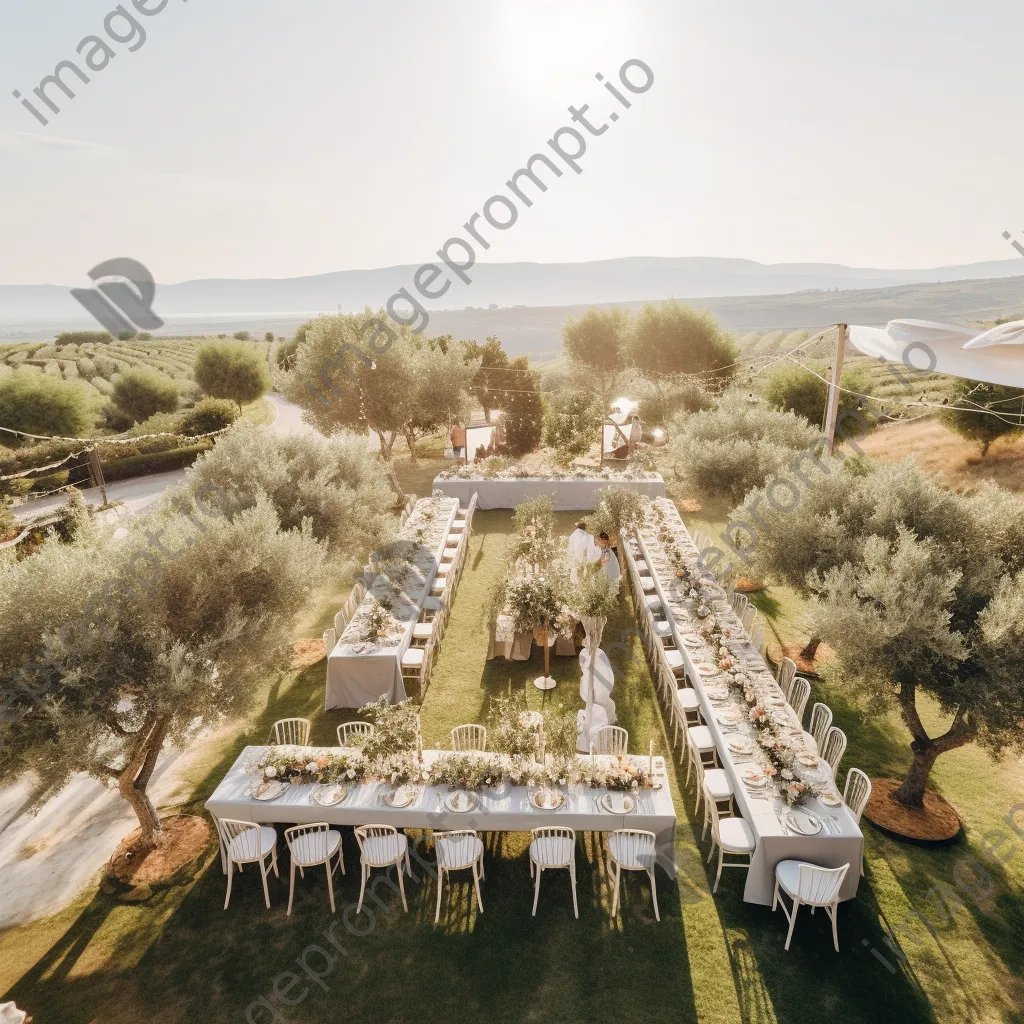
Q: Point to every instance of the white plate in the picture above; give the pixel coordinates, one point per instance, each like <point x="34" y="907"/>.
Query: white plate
<point x="740" y="744"/>
<point x="460" y="801"/>
<point x="267" y="790"/>
<point x="547" y="799"/>
<point x="401" y="797"/>
<point x="808" y="760"/>
<point x="831" y="800"/>
<point x="693" y="642"/>
<point x="329" y="794"/>
<point x="803" y="824"/>
<point x="618" y="803"/>
<point x="729" y="716"/>
<point x="705" y="668"/>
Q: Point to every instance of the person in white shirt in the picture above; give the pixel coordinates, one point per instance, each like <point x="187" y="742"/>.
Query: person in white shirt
<point x="581" y="545"/>
<point x="609" y="560"/>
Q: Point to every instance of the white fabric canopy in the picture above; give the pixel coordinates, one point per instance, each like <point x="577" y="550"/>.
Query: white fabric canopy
<point x="581" y="545"/>
<point x="991" y="356"/>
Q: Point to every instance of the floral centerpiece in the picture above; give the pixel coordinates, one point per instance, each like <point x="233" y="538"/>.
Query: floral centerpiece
<point x="514" y="730"/>
<point x="375" y="628"/>
<point x="396" y="728"/>
<point x="467" y="771"/>
<point x="297" y="765"/>
<point x="398" y="769"/>
<point x="620" y="774"/>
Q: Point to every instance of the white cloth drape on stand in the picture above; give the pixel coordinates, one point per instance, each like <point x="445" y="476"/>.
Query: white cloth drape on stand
<point x="595" y="686"/>
<point x="993" y="356"/>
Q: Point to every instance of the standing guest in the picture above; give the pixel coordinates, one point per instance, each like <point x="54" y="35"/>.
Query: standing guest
<point x="608" y="559"/>
<point x="636" y="432"/>
<point x="458" y="439"/>
<point x="581" y="545"/>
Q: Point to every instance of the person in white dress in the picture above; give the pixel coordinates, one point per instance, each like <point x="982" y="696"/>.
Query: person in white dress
<point x="581" y="545"/>
<point x="608" y="559"/>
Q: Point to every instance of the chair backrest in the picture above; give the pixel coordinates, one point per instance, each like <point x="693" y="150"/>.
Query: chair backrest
<point x="359" y="591"/>
<point x="798" y="694"/>
<point x="635" y="845"/>
<point x="330" y="639"/>
<point x="787" y="673"/>
<point x="365" y="832"/>
<point x="748" y="616"/>
<point x="610" y="739"/>
<point x="245" y="848"/>
<point x="307" y="844"/>
<point x="857" y="792"/>
<point x="740" y="603"/>
<point x="453" y="852"/>
<point x="757" y="636"/>
<point x="469" y="737"/>
<point x="820" y="886"/>
<point x="352" y="734"/>
<point x="549" y="845"/>
<point x="821" y="719"/>
<point x="340" y="622"/>
<point x="834" y="747"/>
<point x="290" y="732"/>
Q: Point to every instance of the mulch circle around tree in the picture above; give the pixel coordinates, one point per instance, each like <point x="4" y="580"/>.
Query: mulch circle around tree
<point x="936" y="824"/>
<point x="748" y="586"/>
<point x="136" y="871"/>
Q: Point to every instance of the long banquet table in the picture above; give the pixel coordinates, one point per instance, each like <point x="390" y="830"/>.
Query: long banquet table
<point x="497" y="811"/>
<point x="356" y="676"/>
<point x="774" y="843"/>
<point x="567" y="495"/>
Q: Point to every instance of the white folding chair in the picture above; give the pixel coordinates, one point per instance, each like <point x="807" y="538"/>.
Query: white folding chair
<point x="330" y="638"/>
<point x="740" y="603"/>
<point x="469" y="737"/>
<point x="757" y="637"/>
<point x="311" y="846"/>
<point x="246" y="843"/>
<point x="729" y="836"/>
<point x="610" y="739"/>
<point x="821" y="719"/>
<point x="633" y="850"/>
<point x="354" y="734"/>
<point x="798" y="694"/>
<point x="413" y="661"/>
<point x="856" y="796"/>
<point x="685" y="710"/>
<point x="340" y="622"/>
<point x="700" y="739"/>
<point x="810" y="885"/>
<point x="459" y="850"/>
<point x="292" y="732"/>
<point x="747" y="618"/>
<point x="553" y="847"/>
<point x="787" y="673"/>
<point x="381" y="846"/>
<point x="833" y="748"/>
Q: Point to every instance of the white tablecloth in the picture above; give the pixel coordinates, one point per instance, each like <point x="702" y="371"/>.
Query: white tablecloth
<point x="355" y="679"/>
<point x="773" y="844"/>
<point x="566" y="494"/>
<point x="508" y="811"/>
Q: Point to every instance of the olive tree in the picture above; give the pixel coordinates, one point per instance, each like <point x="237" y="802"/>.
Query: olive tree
<point x="38" y="403"/>
<point x="911" y="584"/>
<point x="983" y="412"/>
<point x="231" y="369"/>
<point x="337" y="485"/>
<point x="597" y="341"/>
<point x="114" y="648"/>
<point x="140" y="393"/>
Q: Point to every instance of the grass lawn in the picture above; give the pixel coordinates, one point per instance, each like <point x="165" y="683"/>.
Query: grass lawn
<point x="180" y="957"/>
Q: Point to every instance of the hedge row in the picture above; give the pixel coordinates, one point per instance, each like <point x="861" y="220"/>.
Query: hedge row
<point x="158" y="462"/>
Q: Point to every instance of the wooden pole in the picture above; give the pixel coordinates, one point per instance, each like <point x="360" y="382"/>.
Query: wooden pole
<point x="832" y="407"/>
<point x="96" y="472"/>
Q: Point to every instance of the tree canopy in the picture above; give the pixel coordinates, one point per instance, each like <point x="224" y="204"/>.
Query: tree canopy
<point x="38" y="403"/>
<point x="984" y="412"/>
<point x="597" y="341"/>
<point x="572" y="424"/>
<point x="491" y="378"/>
<point x="915" y="587"/>
<point x="231" y="369"/>
<point x="523" y="409"/>
<point x="140" y="393"/>
<point x="671" y="339"/>
<point x="336" y="485"/>
<point x="114" y="648"/>
<point x="789" y="387"/>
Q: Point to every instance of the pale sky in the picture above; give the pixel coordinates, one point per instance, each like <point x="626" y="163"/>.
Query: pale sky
<point x="277" y="138"/>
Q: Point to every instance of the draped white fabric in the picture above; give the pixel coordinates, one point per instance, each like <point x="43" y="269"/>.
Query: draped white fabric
<point x="581" y="546"/>
<point x="991" y="356"/>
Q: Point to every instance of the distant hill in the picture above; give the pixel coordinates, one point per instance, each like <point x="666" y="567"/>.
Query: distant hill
<point x="535" y="299"/>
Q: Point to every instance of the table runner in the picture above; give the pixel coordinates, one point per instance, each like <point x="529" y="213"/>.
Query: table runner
<point x="773" y="844"/>
<point x="355" y="678"/>
<point x="497" y="811"/>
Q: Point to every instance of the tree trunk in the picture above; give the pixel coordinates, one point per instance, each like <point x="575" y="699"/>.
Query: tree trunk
<point x="410" y="440"/>
<point x="911" y="793"/>
<point x="984" y="448"/>
<point x="385" y="445"/>
<point x="144" y="810"/>
<point x="810" y="652"/>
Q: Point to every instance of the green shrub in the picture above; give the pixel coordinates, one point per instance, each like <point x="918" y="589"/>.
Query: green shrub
<point x="83" y="338"/>
<point x="231" y="370"/>
<point x="791" y="387"/>
<point x="158" y="462"/>
<point x="41" y="404"/>
<point x="50" y="481"/>
<point x="209" y="415"/>
<point x="140" y="393"/>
